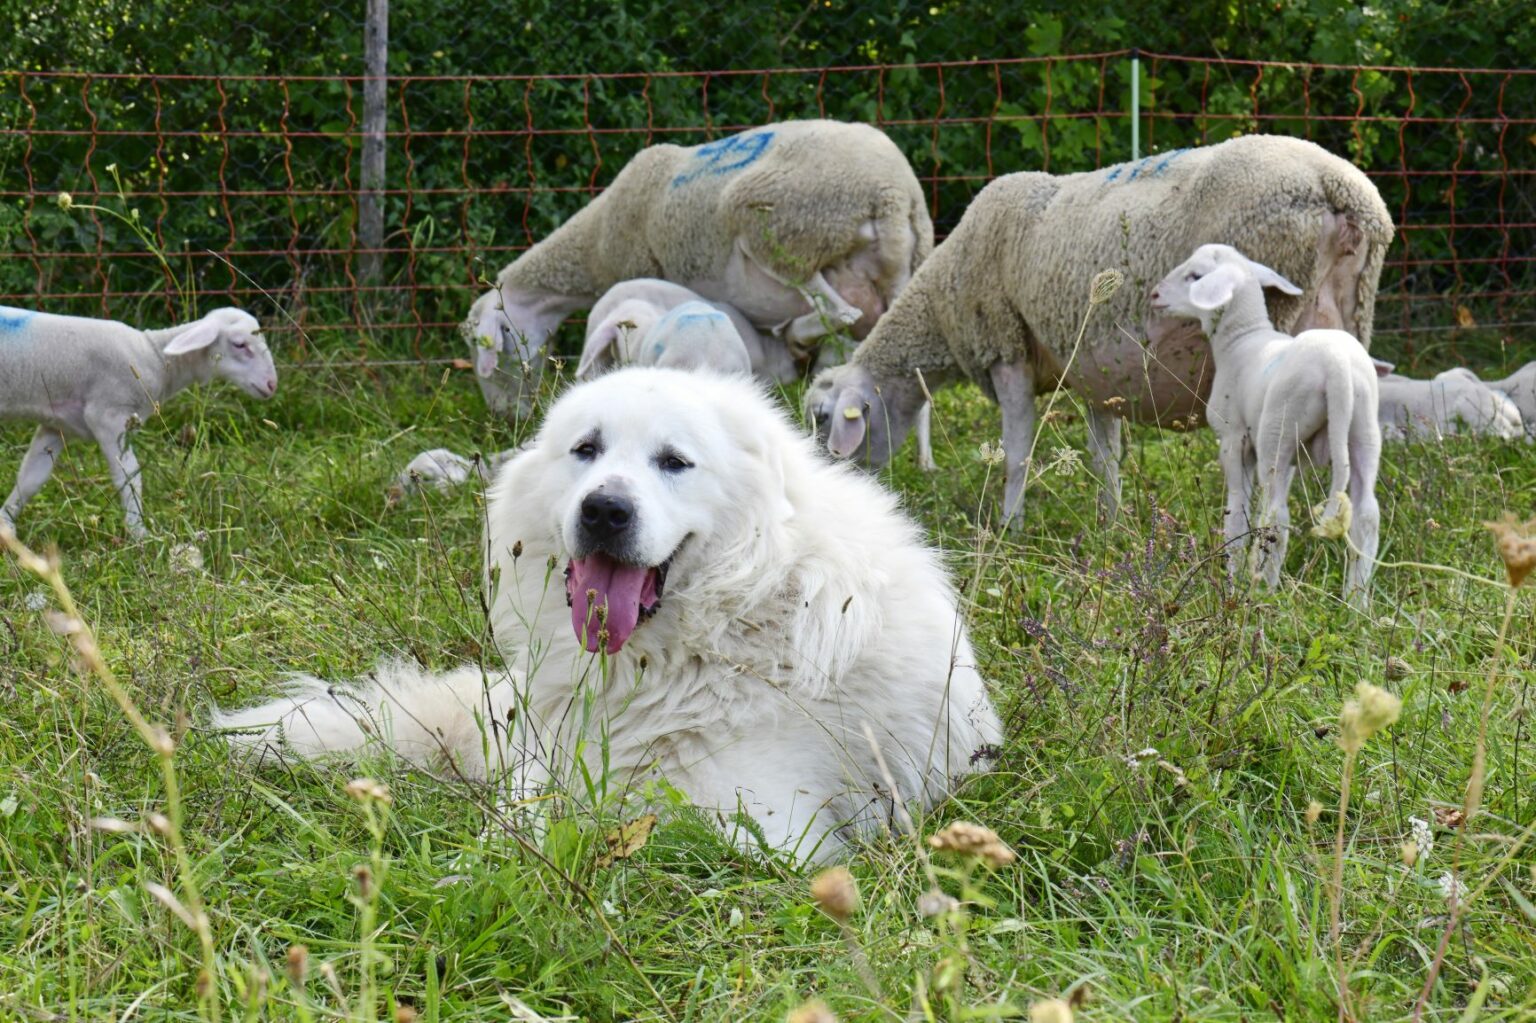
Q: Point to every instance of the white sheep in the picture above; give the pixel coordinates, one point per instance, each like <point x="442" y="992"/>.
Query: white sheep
<point x="1453" y="402"/>
<point x="442" y="470"/>
<point x="633" y="318"/>
<point x="1520" y="386"/>
<point x="1274" y="395"/>
<point x="806" y="227"/>
<point x="100" y="379"/>
<point x="1001" y="301"/>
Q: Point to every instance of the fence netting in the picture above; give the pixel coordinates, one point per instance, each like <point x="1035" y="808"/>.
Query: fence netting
<point x="249" y="183"/>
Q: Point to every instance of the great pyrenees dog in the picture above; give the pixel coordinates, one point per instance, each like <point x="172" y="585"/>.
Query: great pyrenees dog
<point x="683" y="590"/>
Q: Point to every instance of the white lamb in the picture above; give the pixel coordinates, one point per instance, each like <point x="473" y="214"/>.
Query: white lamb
<point x="633" y="318"/>
<point x="806" y="227"/>
<point x="1520" y="386"/>
<point x="1274" y="394"/>
<point x="1454" y="402"/>
<point x="100" y="379"/>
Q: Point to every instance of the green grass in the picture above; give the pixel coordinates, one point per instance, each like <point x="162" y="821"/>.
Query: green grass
<point x="1188" y="886"/>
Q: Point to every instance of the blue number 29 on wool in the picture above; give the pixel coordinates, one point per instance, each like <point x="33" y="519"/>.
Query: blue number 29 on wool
<point x="722" y="156"/>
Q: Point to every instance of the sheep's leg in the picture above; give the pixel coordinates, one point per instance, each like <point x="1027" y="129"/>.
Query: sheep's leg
<point x="1365" y="526"/>
<point x="1014" y="385"/>
<point x="111" y="434"/>
<point x="1277" y="465"/>
<point x="1237" y="468"/>
<point x="925" y="460"/>
<point x="36" y="467"/>
<point x="1104" y="448"/>
<point x="829" y="312"/>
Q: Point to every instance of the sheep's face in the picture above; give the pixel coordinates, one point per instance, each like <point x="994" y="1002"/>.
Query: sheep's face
<point x="232" y="341"/>
<point x="506" y="364"/>
<point x="1205" y="282"/>
<point x="854" y="418"/>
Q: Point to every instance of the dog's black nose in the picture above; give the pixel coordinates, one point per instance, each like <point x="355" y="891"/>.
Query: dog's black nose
<point x="605" y="516"/>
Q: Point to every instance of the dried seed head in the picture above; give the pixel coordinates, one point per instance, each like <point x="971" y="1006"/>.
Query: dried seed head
<point x="1052" y="1010"/>
<point x="975" y="842"/>
<point x="298" y="965"/>
<point x="934" y="903"/>
<point x="1409" y="852"/>
<point x="66" y="201"/>
<point x="1314" y="811"/>
<point x="405" y="1014"/>
<point x="1105" y="284"/>
<point x="1395" y="669"/>
<point x="1372" y="709"/>
<point x="1517" y="546"/>
<point x="159" y="823"/>
<point x="814" y="1011"/>
<point x="1335" y="526"/>
<point x="204" y="984"/>
<point x="836" y="893"/>
<point x="364" y="875"/>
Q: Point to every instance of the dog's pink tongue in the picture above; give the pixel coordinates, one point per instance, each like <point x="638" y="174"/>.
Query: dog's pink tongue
<point x="597" y="581"/>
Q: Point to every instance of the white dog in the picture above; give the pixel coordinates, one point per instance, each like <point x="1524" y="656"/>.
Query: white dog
<point x="734" y="612"/>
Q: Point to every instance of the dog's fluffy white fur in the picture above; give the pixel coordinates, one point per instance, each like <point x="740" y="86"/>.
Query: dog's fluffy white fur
<point x="800" y="605"/>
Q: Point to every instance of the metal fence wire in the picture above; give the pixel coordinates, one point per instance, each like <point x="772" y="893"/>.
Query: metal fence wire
<point x="249" y="184"/>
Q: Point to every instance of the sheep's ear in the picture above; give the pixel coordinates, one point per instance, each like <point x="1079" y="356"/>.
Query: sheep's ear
<point x="1214" y="290"/>
<point x="199" y="334"/>
<point x="1383" y="367"/>
<point x="486" y="356"/>
<point x="849" y="422"/>
<point x="596" y="354"/>
<point x="1270" y="279"/>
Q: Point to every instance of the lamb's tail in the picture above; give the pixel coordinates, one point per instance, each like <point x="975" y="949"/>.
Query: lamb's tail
<point x="430" y="718"/>
<point x="1333" y="517"/>
<point x="1355" y="197"/>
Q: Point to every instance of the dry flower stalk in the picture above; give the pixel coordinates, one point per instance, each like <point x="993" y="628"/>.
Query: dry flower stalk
<point x="975" y="841"/>
<point x="1517" y="546"/>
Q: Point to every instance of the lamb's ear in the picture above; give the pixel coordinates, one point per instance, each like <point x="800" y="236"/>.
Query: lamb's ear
<point x="487" y="355"/>
<point x="1383" y="367"/>
<point x="199" y="334"/>
<point x="1214" y="290"/>
<point x="1270" y="279"/>
<point x="849" y="422"/>
<point x="596" y="353"/>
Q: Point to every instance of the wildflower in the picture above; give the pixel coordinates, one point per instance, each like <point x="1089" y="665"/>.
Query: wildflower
<point x="66" y="201"/>
<point x="934" y="903"/>
<point x="1134" y="760"/>
<point x="1314" y="811"/>
<point x="1105" y="284"/>
<point x="366" y="790"/>
<point x="1067" y="461"/>
<point x="814" y="1011"/>
<point x="1517" y="546"/>
<point x="1052" y="1010"/>
<point x="836" y="893"/>
<point x="186" y="558"/>
<point x="37" y="600"/>
<point x="1451" y="889"/>
<point x="975" y="841"/>
<point x="1335" y="526"/>
<point x="1423" y="837"/>
<point x="1372" y="709"/>
<point x="990" y="453"/>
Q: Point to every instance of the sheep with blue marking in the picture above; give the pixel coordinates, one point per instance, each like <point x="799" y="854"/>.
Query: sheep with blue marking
<point x="1001" y="301"/>
<point x="657" y="323"/>
<point x="100" y="379"/>
<point x="806" y="227"/>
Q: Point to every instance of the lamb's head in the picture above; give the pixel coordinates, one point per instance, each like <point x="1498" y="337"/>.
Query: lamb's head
<point x="1204" y="284"/>
<point x="506" y="363"/>
<point x="230" y="341"/>
<point x="855" y="417"/>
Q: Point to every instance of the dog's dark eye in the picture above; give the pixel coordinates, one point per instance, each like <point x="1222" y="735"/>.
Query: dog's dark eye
<point x="586" y="451"/>
<point x="671" y="461"/>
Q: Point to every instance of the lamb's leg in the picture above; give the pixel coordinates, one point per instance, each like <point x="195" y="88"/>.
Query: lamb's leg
<point x="925" y="460"/>
<point x="111" y="432"/>
<point x="1365" y="526"/>
<point x="1014" y="384"/>
<point x="35" y="470"/>
<point x="1104" y="448"/>
<point x="1237" y="470"/>
<point x="1277" y="466"/>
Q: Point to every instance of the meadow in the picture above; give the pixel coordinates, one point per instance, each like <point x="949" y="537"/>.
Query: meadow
<point x="1171" y="780"/>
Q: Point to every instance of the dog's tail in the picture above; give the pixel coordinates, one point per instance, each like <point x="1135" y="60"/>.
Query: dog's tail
<point x="430" y="718"/>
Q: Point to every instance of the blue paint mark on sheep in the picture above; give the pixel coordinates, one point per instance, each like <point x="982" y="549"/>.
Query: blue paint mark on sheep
<point x="14" y="321"/>
<point x="657" y="349"/>
<point x="1269" y="367"/>
<point x="1139" y="167"/>
<point x="723" y="156"/>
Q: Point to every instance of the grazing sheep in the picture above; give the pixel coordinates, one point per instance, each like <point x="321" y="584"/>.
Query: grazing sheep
<point x="1274" y="394"/>
<point x="1456" y="401"/>
<point x="804" y="226"/>
<point x="1521" y="388"/>
<point x="1001" y="301"/>
<point x="100" y="378"/>
<point x="691" y="333"/>
<point x="442" y="470"/>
